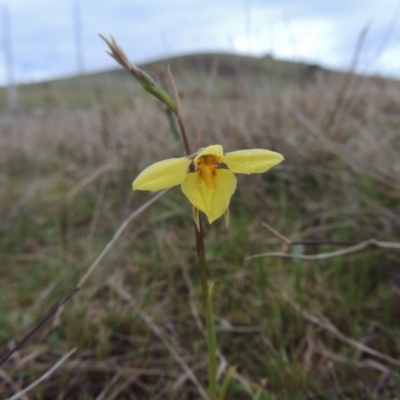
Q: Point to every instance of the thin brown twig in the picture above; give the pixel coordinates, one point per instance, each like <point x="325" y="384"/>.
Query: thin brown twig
<point x="179" y="114"/>
<point x="354" y="246"/>
<point x="41" y="322"/>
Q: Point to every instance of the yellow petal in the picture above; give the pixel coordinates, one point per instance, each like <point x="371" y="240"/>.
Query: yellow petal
<point x="162" y="174"/>
<point x="215" y="149"/>
<point x="251" y="161"/>
<point x="212" y="199"/>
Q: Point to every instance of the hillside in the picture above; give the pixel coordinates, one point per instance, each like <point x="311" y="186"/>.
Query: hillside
<point x="195" y="72"/>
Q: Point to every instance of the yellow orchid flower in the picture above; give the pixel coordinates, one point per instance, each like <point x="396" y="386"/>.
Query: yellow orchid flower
<point x="210" y="187"/>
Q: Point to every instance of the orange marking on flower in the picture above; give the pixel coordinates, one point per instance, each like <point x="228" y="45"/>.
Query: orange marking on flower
<point x="206" y="168"/>
<point x="209" y="188"/>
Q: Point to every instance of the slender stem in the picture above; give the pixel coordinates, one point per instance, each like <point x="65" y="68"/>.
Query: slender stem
<point x="201" y="258"/>
<point x="184" y="135"/>
<point x="198" y="232"/>
<point x="207" y="293"/>
<point x="212" y="347"/>
<point x="207" y="300"/>
<point x="178" y="112"/>
<point x="172" y="123"/>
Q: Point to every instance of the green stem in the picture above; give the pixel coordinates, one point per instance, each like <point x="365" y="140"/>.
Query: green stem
<point x="212" y="347"/>
<point x="207" y="292"/>
<point x="207" y="299"/>
<point x="172" y="124"/>
<point x="201" y="258"/>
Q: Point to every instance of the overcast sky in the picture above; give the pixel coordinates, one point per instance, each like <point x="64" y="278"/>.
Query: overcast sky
<point x="43" y="45"/>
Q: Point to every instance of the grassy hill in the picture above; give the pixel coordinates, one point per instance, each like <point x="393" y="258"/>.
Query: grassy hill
<point x="306" y="310"/>
<point x="196" y="72"/>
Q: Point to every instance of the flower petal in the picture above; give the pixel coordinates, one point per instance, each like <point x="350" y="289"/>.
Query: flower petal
<point x="215" y="149"/>
<point x="251" y="161"/>
<point x="213" y="200"/>
<point x="162" y="175"/>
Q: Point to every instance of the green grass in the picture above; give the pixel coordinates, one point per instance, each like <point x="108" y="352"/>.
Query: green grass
<point x="66" y="176"/>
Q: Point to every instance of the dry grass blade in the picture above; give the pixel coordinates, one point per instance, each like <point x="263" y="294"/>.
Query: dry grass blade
<point x="322" y="256"/>
<point x="328" y="326"/>
<point x="223" y="362"/>
<point x="350" y="158"/>
<point x="359" y="364"/>
<point x="117" y="234"/>
<point x="90" y="178"/>
<point x="58" y="307"/>
<point x="124" y="294"/>
<point x="285" y="240"/>
<point x="32" y="331"/>
<point x="109" y="385"/>
<point x="8" y="379"/>
<point x="121" y="58"/>
<point x="120" y="388"/>
<point x="43" y="377"/>
<point x="144" y="78"/>
<point x="338" y="104"/>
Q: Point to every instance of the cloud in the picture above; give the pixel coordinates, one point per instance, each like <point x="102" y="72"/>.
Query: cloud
<point x="324" y="32"/>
